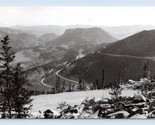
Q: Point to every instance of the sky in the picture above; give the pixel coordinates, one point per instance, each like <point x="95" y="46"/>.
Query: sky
<point x="72" y="12"/>
<point x="72" y="15"/>
<point x="77" y="3"/>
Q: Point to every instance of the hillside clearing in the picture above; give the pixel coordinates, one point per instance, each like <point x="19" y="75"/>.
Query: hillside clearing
<point x="52" y="101"/>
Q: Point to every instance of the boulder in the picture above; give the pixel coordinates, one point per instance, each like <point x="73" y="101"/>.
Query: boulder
<point x="48" y="114"/>
<point x="134" y="113"/>
<point x="119" y="114"/>
<point x="151" y="106"/>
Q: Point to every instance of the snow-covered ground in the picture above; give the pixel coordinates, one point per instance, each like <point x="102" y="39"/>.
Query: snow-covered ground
<point x="52" y="101"/>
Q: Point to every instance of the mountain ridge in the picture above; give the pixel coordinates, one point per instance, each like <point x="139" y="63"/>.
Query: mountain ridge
<point x="139" y="44"/>
<point x="74" y="37"/>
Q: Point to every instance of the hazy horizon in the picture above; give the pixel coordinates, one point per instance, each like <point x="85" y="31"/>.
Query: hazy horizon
<point x="64" y="16"/>
<point x="80" y="25"/>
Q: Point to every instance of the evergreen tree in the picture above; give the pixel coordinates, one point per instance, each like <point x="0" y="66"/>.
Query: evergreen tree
<point x="97" y="84"/>
<point x="7" y="57"/>
<point x="21" y="94"/>
<point x="119" y="78"/>
<point x="115" y="92"/>
<point x="57" y="85"/>
<point x="70" y="87"/>
<point x="13" y="89"/>
<point x="73" y="87"/>
<point x="102" y="78"/>
<point x="63" y="86"/>
<point x="146" y="72"/>
<point x="80" y="87"/>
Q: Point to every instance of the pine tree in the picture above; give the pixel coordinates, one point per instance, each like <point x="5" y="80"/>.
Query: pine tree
<point x="102" y="78"/>
<point x="63" y="86"/>
<point x="13" y="89"/>
<point x="21" y="94"/>
<point x="146" y="73"/>
<point x="80" y="88"/>
<point x="7" y="57"/>
<point x="115" y="92"/>
<point x="69" y="87"/>
<point x="57" y="85"/>
<point x="97" y="84"/>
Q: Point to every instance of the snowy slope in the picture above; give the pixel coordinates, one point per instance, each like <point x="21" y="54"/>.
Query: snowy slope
<point x="52" y="101"/>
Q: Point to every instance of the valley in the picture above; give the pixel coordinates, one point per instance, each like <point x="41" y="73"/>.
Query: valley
<point x="81" y="50"/>
<point x="67" y="66"/>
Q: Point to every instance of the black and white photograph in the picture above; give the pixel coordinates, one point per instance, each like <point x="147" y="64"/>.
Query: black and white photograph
<point x="77" y="62"/>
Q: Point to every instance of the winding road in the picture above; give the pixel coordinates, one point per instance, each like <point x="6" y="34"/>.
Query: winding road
<point x="42" y="80"/>
<point x="136" y="57"/>
<point x="76" y="82"/>
<point x="57" y="74"/>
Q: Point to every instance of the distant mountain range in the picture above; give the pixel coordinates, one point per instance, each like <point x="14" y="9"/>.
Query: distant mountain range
<point x="119" y="32"/>
<point x="40" y="30"/>
<point x="25" y="37"/>
<point x="20" y="40"/>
